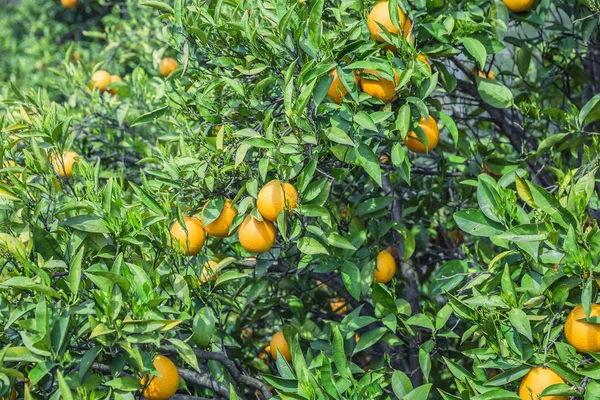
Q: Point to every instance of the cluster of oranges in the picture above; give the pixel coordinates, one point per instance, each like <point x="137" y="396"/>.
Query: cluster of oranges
<point x="63" y="166"/>
<point x="385" y="89"/>
<point x="582" y="335"/>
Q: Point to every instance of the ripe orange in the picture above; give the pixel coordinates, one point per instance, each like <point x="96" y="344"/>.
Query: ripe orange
<point x="585" y="337"/>
<point x="382" y="89"/>
<point x="208" y="272"/>
<point x="536" y="381"/>
<point x="257" y="236"/>
<point x="386" y="267"/>
<point x="167" y="66"/>
<point x="264" y="353"/>
<point x="424" y="60"/>
<point x="380" y="15"/>
<point x="64" y="166"/>
<point x="518" y="6"/>
<point x="164" y="386"/>
<point x="431" y="131"/>
<point x="114" y="78"/>
<point x="337" y="90"/>
<point x="189" y="243"/>
<point x="220" y="226"/>
<point x="338" y="306"/>
<point x="69" y="3"/>
<point x="274" y="197"/>
<point x="278" y="342"/>
<point x="489" y="75"/>
<point x="100" y="79"/>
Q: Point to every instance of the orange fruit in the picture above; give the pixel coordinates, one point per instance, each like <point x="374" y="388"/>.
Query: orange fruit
<point x="536" y="381"/>
<point x="431" y="131"/>
<point x="274" y="197"/>
<point x="189" y="243"/>
<point x="257" y="236"/>
<point x="114" y="78"/>
<point x="519" y="6"/>
<point x="338" y="306"/>
<point x="278" y="342"/>
<point x="208" y="272"/>
<point x="386" y="267"/>
<point x="585" y="337"/>
<point x="167" y="66"/>
<point x="69" y="3"/>
<point x="100" y="80"/>
<point x="220" y="226"/>
<point x="489" y="75"/>
<point x="246" y="333"/>
<point x="381" y="88"/>
<point x="264" y="353"/>
<point x="64" y="166"/>
<point x="380" y="15"/>
<point x="337" y="90"/>
<point x="423" y="59"/>
<point x="164" y="386"/>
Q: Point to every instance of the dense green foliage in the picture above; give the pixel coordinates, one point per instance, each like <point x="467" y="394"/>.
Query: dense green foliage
<point x="493" y="231"/>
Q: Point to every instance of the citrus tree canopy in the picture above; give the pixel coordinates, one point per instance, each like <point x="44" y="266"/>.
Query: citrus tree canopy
<point x="299" y="199"/>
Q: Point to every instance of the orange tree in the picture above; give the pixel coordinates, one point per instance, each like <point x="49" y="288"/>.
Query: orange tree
<point x="298" y="200"/>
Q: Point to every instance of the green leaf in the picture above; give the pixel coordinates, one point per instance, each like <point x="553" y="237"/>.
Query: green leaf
<point x="147" y="199"/>
<point x="338" y="136"/>
<point x="311" y="246"/>
<point x="158" y="5"/>
<point x="65" y="391"/>
<point x="75" y="272"/>
<point x="351" y="277"/>
<point x="365" y="120"/>
<point x="587" y="108"/>
<point x="369" y="339"/>
<point x="519" y="320"/>
<point x="373" y="204"/>
<point x="87" y="223"/>
<point x="369" y="162"/>
<point x="25" y="283"/>
<point x="420" y="393"/>
<point x="474" y="222"/>
<point x="186" y="353"/>
<point x="339" y="354"/>
<point x="494" y="93"/>
<point x="150" y="116"/>
<point x="449" y="276"/>
<point x="476" y="50"/>
<point x="228" y="277"/>
<point x="204" y="327"/>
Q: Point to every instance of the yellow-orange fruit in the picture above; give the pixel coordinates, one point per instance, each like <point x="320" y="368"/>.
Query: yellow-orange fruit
<point x="167" y="66"/>
<point x="489" y="75"/>
<point x="385" y="268"/>
<point x="338" y="306"/>
<point x="64" y="166"/>
<point x="337" y="90"/>
<point x="220" y="226"/>
<point x="519" y="6"/>
<point x="380" y="15"/>
<point x="257" y="236"/>
<point x="278" y="342"/>
<point x="69" y="3"/>
<point x="424" y="60"/>
<point x="101" y="79"/>
<point x="431" y="131"/>
<point x="381" y="88"/>
<point x="164" y="386"/>
<point x="274" y="197"/>
<point x="114" y="78"/>
<point x="585" y="337"/>
<point x="208" y="272"/>
<point x="189" y="243"/>
<point x="536" y="381"/>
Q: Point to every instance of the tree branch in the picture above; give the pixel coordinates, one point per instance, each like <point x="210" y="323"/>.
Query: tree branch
<point x="513" y="131"/>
